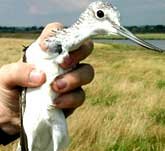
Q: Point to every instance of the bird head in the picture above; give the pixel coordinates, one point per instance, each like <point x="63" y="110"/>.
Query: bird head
<point x="103" y="18"/>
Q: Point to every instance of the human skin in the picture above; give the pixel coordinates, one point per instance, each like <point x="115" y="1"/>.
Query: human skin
<point x="16" y="75"/>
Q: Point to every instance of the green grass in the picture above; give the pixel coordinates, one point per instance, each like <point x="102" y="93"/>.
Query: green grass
<point x="117" y="113"/>
<point x="161" y="84"/>
<point x="158" y="115"/>
<point x="125" y="103"/>
<point x="138" y="144"/>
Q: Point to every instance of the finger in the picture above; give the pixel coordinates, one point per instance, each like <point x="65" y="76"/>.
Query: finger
<point x="78" y="55"/>
<point x="47" y="32"/>
<point x="74" y="79"/>
<point x="70" y="100"/>
<point x="21" y="74"/>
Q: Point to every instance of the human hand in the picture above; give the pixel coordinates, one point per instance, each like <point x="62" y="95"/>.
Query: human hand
<point x="13" y="77"/>
<point x="69" y="85"/>
<point x="16" y="75"/>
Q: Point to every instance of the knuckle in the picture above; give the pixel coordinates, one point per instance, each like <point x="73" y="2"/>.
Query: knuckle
<point x="90" y="70"/>
<point x="78" y="97"/>
<point x="13" y="69"/>
<point x="83" y="96"/>
<point x="10" y="73"/>
<point x="18" y="68"/>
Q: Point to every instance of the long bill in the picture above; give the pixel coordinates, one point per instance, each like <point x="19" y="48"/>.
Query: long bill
<point x="126" y="33"/>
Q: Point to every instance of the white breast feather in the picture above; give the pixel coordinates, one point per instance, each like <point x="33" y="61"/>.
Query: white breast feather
<point x="44" y="124"/>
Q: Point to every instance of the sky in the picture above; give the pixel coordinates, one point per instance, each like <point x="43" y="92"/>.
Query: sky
<point x="42" y="12"/>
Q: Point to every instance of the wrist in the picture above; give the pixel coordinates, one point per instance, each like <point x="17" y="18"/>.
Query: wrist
<point x="9" y="120"/>
<point x="6" y="139"/>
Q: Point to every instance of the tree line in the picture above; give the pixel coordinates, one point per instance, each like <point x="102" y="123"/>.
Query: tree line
<point x="134" y="29"/>
<point x="32" y="29"/>
<point x="147" y="29"/>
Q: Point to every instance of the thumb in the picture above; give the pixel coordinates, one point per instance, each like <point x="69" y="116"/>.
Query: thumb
<point x="21" y="74"/>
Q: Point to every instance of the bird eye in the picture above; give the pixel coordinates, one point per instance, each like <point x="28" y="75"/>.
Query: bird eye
<point x="100" y="14"/>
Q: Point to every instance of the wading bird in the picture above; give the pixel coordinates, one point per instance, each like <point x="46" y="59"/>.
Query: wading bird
<point x="44" y="126"/>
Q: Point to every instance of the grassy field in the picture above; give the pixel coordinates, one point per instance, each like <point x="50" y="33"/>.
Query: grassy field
<point x="125" y="104"/>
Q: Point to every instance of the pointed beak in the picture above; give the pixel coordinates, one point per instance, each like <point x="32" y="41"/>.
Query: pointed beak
<point x="124" y="32"/>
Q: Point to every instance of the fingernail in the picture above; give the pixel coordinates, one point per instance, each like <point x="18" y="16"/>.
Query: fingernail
<point x="61" y="84"/>
<point x="36" y="76"/>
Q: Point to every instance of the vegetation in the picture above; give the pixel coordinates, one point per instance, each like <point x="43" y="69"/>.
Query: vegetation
<point x="124" y="108"/>
<point x="147" y="29"/>
<point x="134" y="29"/>
<point x="33" y="29"/>
<point x="150" y="32"/>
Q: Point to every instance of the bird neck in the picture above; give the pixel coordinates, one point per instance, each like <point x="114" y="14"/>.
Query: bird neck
<point x="81" y="30"/>
<point x="83" y="27"/>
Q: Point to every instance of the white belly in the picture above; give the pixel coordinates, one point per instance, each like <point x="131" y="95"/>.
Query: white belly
<point x="45" y="125"/>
